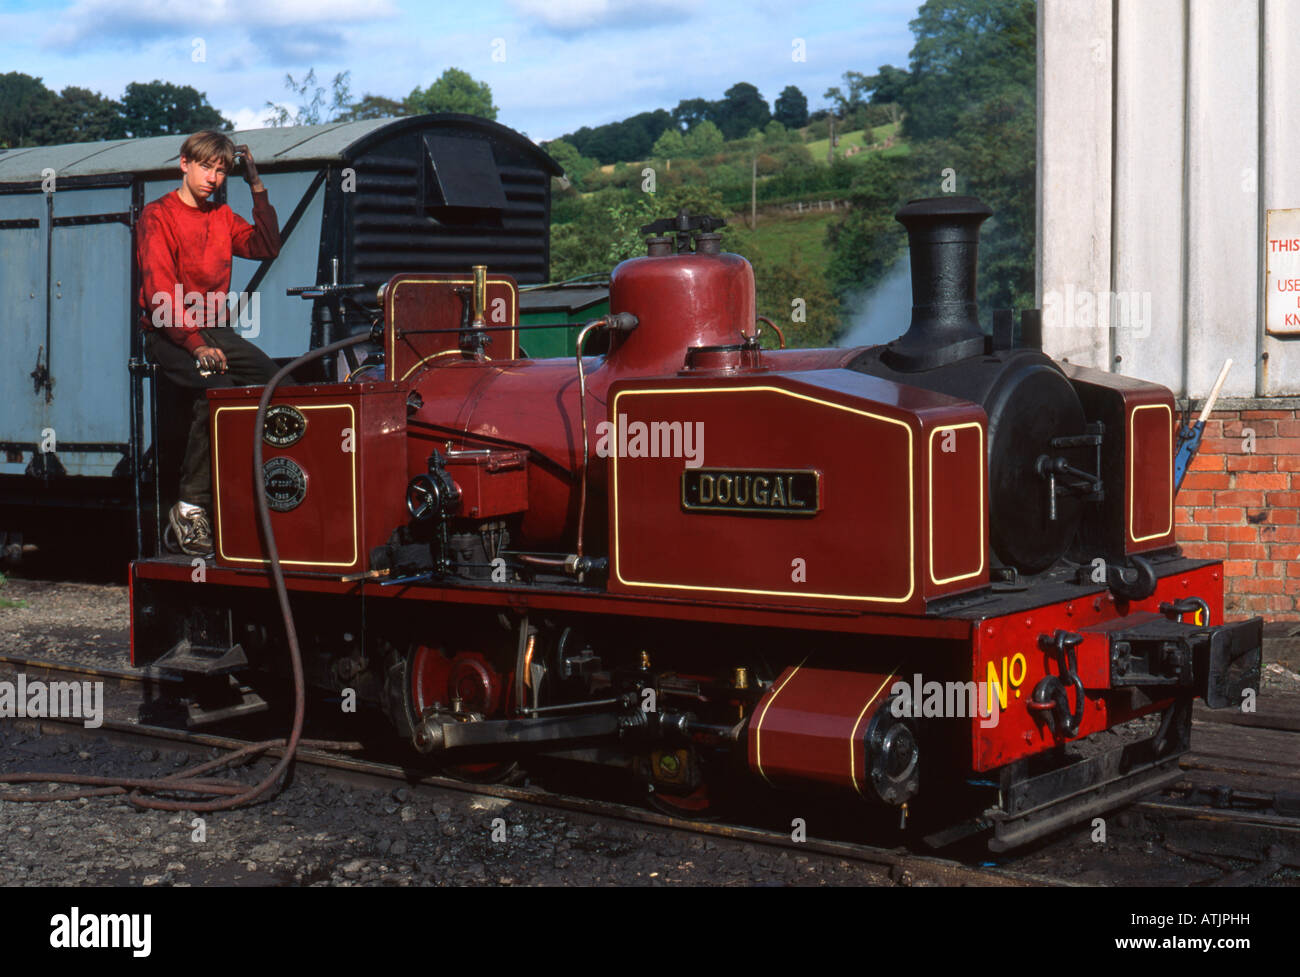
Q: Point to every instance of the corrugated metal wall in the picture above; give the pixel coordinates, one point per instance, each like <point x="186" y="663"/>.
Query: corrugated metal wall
<point x="1165" y="136"/>
<point x="392" y="235"/>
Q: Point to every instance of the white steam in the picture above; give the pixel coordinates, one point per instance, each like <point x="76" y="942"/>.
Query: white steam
<point x="881" y="314"/>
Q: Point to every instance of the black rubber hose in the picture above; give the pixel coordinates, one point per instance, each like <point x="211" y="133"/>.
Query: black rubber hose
<point x="236" y="794"/>
<point x="281" y="594"/>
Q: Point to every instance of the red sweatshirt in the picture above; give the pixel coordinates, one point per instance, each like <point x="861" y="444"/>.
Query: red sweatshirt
<point x="189" y="249"/>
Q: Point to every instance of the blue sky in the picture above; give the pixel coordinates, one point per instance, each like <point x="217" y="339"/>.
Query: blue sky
<point x="554" y="65"/>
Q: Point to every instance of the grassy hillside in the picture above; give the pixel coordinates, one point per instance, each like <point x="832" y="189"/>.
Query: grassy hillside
<point x="789" y="255"/>
<point x="595" y="223"/>
<point x="781" y="236"/>
<point x="881" y="134"/>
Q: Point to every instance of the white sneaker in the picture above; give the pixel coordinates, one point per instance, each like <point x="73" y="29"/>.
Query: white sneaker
<point x="190" y="525"/>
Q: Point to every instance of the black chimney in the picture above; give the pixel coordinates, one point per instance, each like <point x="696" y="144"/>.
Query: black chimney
<point x="943" y="235"/>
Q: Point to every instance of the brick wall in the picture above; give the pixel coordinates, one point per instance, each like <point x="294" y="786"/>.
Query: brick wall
<point x="1240" y="503"/>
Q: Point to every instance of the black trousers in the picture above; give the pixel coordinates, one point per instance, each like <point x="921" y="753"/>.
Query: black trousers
<point x="246" y="366"/>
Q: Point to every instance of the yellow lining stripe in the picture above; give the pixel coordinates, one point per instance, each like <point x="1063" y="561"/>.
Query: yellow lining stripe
<point x="911" y="494"/>
<point x="982" y="461"/>
<point x="1132" y="463"/>
<point x="853" y="736"/>
<point x="445" y="352"/>
<point x="758" y="728"/>
<point x="216" y="488"/>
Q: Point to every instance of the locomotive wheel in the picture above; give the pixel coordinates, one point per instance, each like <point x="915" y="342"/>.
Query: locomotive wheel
<point x="698" y="806"/>
<point x="427" y="675"/>
<point x="677" y="784"/>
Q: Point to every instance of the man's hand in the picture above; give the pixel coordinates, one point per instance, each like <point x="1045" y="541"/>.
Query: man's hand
<point x="211" y="358"/>
<point x="250" y="169"/>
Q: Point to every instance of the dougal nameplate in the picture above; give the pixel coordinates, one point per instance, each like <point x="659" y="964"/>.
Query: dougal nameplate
<point x="752" y="491"/>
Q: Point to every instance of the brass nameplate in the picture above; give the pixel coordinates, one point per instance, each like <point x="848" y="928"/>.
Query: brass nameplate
<point x="752" y="491"/>
<point x="283" y="426"/>
<point x="286" y="484"/>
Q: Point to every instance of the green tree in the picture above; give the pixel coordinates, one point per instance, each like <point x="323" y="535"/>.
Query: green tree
<point x="27" y="109"/>
<point x="775" y="134"/>
<point x="671" y="145"/>
<point x="993" y="152"/>
<point x="607" y="228"/>
<point x="819" y="128"/>
<point x="966" y="51"/>
<point x="160" y="108"/>
<point x="742" y="108"/>
<point x="867" y="240"/>
<point x="888" y="84"/>
<point x="372" y="107"/>
<point x="607" y="143"/>
<point x="704" y="140"/>
<point x="690" y="112"/>
<point x="970" y="104"/>
<point x="454" y="91"/>
<point x="791" y="108"/>
<point x="85" y="116"/>
<point x="631" y="139"/>
<point x="854" y="93"/>
<point x="640" y="132"/>
<point x="792" y="289"/>
<point x="880" y="114"/>
<point x="793" y="155"/>
<point x="576" y="166"/>
<point x="972" y="101"/>
<point x="313" y="109"/>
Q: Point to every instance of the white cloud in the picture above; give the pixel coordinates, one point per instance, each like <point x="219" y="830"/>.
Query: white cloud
<point x="577" y="15"/>
<point x="569" y="63"/>
<point x="247" y="118"/>
<point x="90" y="20"/>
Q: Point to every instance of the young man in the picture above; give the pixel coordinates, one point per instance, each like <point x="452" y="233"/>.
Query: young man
<point x="184" y="246"/>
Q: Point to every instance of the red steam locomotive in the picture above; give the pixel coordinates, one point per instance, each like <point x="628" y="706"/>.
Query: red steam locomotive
<point x="926" y="574"/>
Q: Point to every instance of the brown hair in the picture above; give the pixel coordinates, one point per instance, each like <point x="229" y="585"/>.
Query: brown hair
<point x="208" y="145"/>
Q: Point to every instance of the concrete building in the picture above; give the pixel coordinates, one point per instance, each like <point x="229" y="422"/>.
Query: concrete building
<point x="1169" y="241"/>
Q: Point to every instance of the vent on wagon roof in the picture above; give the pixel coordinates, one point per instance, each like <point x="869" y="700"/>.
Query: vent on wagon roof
<point x="460" y="182"/>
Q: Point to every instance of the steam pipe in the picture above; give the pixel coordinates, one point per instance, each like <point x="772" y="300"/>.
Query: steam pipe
<point x="775" y="328"/>
<point x="582" y="409"/>
<point x="620" y="322"/>
<point x="480" y="296"/>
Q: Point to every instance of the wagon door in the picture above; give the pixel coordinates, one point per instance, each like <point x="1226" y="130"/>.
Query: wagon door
<point x="22" y="327"/>
<point x="90" y="330"/>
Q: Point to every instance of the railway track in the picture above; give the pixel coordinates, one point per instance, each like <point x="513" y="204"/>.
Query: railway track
<point x="119" y="728"/>
<point x="1240" y="793"/>
<point x="1229" y="809"/>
